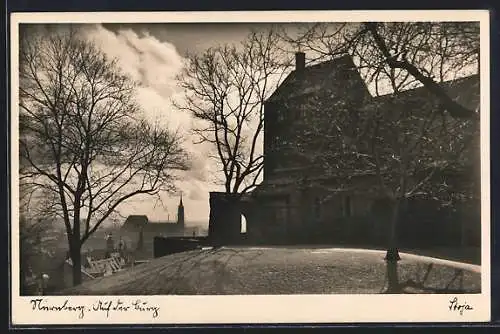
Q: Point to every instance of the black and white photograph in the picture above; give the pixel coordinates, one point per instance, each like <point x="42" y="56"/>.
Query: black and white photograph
<point x="331" y="158"/>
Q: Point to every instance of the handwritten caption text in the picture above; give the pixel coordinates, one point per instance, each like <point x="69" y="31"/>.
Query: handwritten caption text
<point x="107" y="306"/>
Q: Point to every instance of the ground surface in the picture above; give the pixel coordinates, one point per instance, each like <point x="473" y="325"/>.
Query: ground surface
<point x="284" y="270"/>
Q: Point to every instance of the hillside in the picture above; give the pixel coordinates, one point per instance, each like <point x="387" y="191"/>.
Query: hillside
<point x="283" y="270"/>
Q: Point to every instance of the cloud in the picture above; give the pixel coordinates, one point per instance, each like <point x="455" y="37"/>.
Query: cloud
<point x="154" y="64"/>
<point x="196" y="193"/>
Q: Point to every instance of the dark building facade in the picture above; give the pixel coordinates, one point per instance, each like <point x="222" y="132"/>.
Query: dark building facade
<point x="295" y="201"/>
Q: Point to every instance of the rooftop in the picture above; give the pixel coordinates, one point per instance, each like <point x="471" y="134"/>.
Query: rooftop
<point x="313" y="78"/>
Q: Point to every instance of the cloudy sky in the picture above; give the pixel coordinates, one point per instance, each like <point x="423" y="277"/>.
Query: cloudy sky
<point x="153" y="54"/>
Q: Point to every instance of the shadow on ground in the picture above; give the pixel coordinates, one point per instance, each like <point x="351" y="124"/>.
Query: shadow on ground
<point x="430" y="279"/>
<point x="253" y="270"/>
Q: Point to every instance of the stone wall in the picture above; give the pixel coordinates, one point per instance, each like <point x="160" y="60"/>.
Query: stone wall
<point x="225" y="218"/>
<point x="165" y="245"/>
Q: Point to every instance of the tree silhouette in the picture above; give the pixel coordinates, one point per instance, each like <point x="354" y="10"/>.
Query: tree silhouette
<point x="82" y="137"/>
<point x="409" y="142"/>
<point x="225" y="89"/>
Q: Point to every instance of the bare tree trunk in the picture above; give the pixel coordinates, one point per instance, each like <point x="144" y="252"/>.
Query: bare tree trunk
<point x="392" y="256"/>
<point x="76" y="259"/>
<point x="392" y="277"/>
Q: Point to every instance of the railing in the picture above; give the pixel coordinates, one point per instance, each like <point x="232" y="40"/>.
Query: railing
<point x="113" y="264"/>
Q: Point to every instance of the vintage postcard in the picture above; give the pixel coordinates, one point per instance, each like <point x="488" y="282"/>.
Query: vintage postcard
<point x="250" y="167"/>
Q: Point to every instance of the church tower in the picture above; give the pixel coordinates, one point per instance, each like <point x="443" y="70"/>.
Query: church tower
<point x="180" y="213"/>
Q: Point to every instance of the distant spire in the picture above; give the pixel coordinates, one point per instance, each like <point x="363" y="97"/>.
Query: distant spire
<point x="180" y="212"/>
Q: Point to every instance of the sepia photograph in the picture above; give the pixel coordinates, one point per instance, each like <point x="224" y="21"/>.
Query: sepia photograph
<point x="171" y="158"/>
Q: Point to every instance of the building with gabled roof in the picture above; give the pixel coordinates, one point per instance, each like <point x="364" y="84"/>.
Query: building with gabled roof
<point x="138" y="232"/>
<point x="289" y="208"/>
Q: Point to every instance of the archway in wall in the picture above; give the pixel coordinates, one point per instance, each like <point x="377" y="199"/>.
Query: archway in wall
<point x="231" y="219"/>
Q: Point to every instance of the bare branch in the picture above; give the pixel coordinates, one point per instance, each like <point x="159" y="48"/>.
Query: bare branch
<point x="83" y="137"/>
<point x="225" y="89"/>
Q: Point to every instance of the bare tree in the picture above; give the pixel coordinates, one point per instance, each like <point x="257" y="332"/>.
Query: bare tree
<point x="395" y="149"/>
<point x="402" y="55"/>
<point x="225" y="89"/>
<point x="405" y="144"/>
<point x="82" y="136"/>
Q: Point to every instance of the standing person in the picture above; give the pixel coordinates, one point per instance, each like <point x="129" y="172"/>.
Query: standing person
<point x="39" y="287"/>
<point x="121" y="246"/>
<point x="43" y="282"/>
<point x="122" y="250"/>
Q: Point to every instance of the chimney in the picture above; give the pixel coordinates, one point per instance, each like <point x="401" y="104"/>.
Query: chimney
<point x="300" y="61"/>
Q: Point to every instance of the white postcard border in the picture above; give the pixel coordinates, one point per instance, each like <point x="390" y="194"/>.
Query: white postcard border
<point x="268" y="308"/>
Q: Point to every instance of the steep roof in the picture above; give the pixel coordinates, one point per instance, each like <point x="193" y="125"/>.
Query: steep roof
<point x="464" y="91"/>
<point x="135" y="222"/>
<point x="312" y="78"/>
